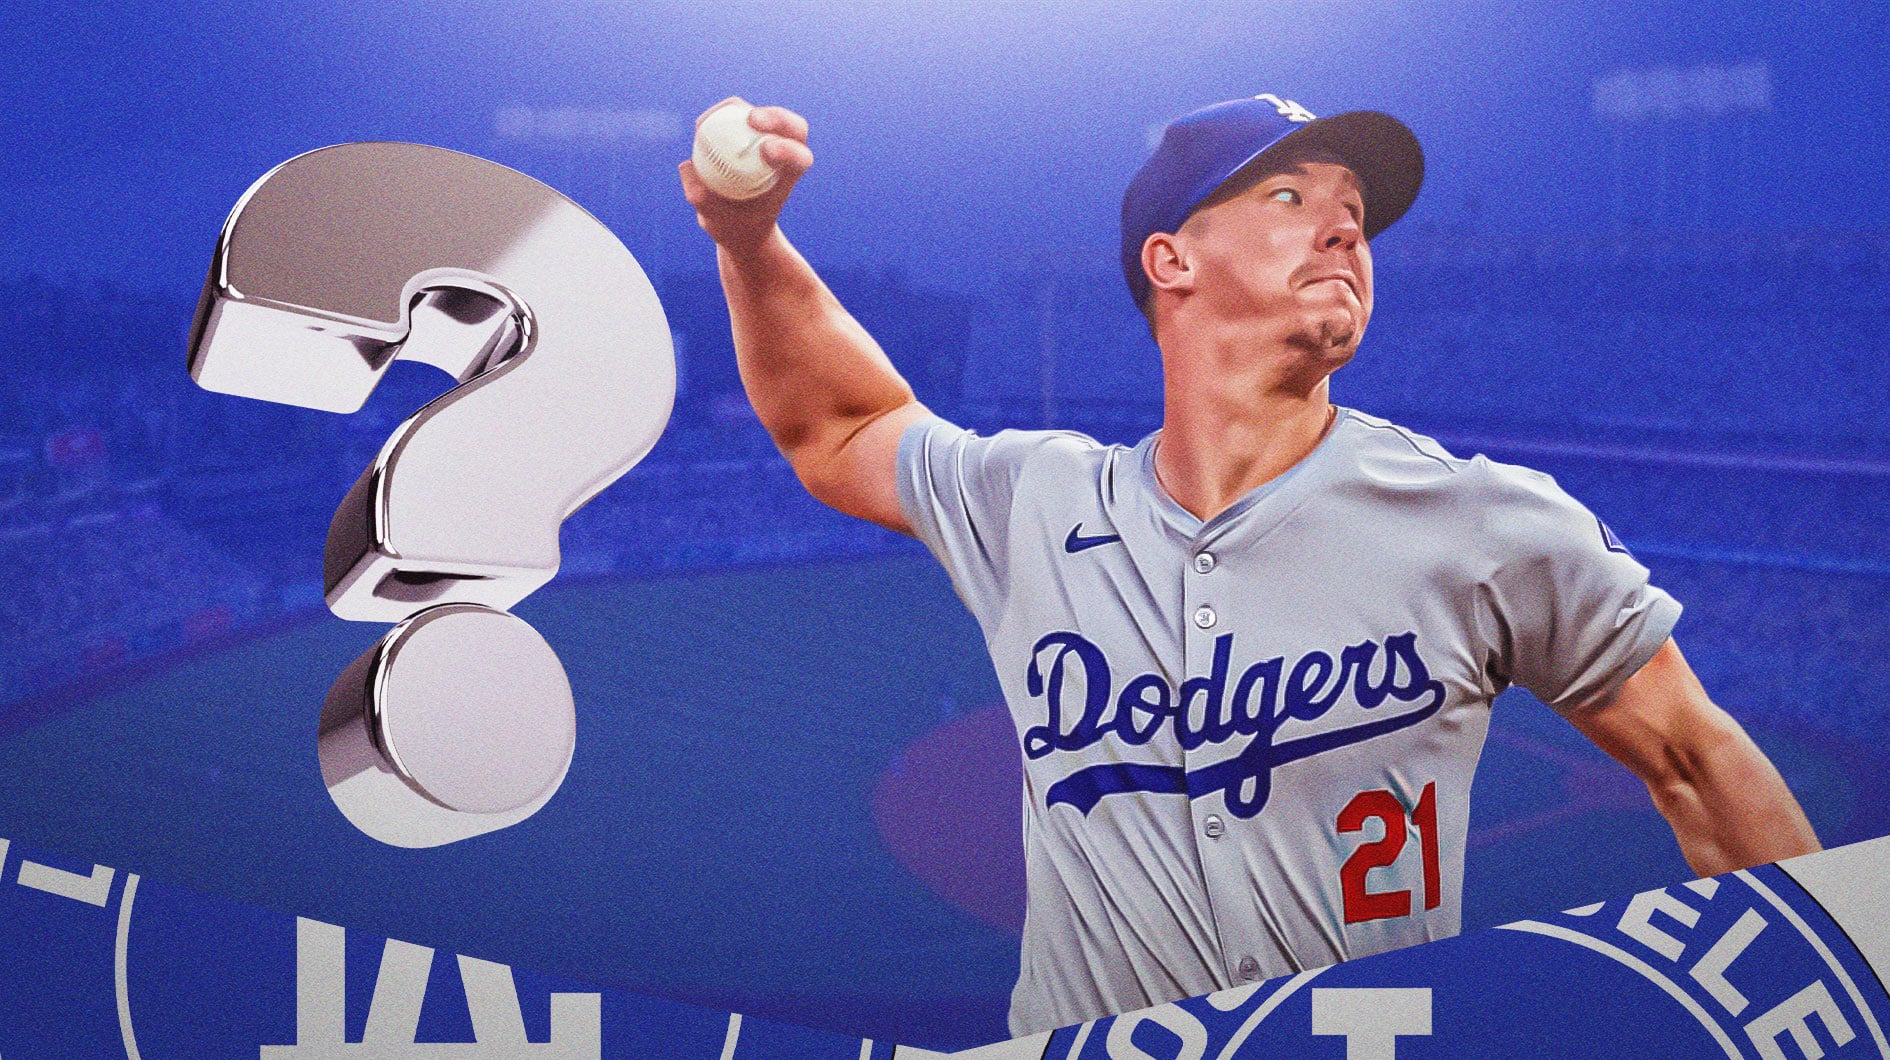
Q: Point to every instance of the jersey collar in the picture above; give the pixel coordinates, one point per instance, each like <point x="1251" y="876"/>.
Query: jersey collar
<point x="1284" y="488"/>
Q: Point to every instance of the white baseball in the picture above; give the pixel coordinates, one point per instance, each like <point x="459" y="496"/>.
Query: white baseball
<point x="727" y="153"/>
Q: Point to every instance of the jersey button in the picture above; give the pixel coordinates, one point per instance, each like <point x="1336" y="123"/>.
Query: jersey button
<point x="1214" y="826"/>
<point x="1203" y="562"/>
<point x="1249" y="968"/>
<point x="1204" y="617"/>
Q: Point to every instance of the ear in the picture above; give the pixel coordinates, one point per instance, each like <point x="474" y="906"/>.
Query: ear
<point x="1167" y="263"/>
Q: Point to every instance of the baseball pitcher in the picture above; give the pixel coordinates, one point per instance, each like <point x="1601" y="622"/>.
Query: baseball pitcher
<point x="1249" y="660"/>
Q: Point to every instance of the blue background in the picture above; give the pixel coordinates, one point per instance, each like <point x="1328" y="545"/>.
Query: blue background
<point x="1683" y="319"/>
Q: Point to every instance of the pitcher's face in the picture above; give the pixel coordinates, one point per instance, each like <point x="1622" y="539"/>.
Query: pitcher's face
<point x="1292" y="246"/>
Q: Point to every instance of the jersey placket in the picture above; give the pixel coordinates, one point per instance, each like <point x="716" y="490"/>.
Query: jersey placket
<point x="1204" y="598"/>
<point x="1215" y="565"/>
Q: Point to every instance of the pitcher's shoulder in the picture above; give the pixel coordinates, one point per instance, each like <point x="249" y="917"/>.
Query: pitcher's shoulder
<point x="1399" y="459"/>
<point x="1398" y="455"/>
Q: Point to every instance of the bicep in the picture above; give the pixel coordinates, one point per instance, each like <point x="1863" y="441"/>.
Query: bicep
<point x="1660" y="724"/>
<point x="859" y="475"/>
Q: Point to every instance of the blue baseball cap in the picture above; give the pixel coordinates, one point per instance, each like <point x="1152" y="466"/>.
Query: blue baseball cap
<point x="1200" y="151"/>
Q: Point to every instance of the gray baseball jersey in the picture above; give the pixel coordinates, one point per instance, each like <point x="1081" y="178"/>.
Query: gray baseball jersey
<point x="1248" y="743"/>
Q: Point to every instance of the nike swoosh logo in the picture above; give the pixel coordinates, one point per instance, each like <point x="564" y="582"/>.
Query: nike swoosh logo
<point x="1076" y="542"/>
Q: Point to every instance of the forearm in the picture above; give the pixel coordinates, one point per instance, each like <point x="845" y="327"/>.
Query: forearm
<point x="1729" y="808"/>
<point x="819" y="383"/>
<point x="813" y="374"/>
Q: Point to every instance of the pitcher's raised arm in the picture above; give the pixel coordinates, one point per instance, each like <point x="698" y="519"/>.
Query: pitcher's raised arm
<point x="821" y="385"/>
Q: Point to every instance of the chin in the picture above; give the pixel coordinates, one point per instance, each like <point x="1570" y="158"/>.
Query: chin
<point x="1335" y="334"/>
<point x="1337" y="357"/>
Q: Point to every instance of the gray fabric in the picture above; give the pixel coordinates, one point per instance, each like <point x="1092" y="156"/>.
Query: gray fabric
<point x="1371" y="601"/>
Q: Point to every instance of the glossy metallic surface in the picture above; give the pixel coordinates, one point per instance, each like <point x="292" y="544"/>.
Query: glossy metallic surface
<point x="460" y="721"/>
<point x="334" y="264"/>
<point x="322" y="277"/>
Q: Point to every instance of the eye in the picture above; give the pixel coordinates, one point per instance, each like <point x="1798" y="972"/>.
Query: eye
<point x="1285" y="195"/>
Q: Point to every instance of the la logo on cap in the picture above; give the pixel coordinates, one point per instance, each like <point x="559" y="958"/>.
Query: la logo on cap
<point x="1288" y="109"/>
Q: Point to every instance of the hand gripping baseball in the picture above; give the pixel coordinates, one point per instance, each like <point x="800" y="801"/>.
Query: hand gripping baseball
<point x="741" y="224"/>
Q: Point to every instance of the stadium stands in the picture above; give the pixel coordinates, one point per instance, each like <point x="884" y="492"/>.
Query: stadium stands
<point x="1724" y="402"/>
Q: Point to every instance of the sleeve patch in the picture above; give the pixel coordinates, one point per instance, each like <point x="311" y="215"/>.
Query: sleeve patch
<point x="1611" y="542"/>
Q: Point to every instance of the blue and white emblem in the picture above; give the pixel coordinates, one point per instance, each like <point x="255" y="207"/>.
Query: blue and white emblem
<point x="1288" y="109"/>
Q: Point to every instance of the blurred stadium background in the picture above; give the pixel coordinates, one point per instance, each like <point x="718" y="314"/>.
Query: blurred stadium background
<point x="793" y="794"/>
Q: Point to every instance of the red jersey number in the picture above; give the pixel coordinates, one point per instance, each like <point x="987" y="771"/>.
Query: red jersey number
<point x="1361" y="903"/>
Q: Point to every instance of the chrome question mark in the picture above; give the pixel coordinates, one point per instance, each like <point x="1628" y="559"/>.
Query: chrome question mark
<point x="460" y="720"/>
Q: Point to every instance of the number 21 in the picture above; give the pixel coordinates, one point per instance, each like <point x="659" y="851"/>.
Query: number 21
<point x="1362" y="904"/>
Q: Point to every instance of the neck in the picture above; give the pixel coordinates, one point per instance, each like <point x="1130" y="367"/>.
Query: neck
<point x="1236" y="422"/>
